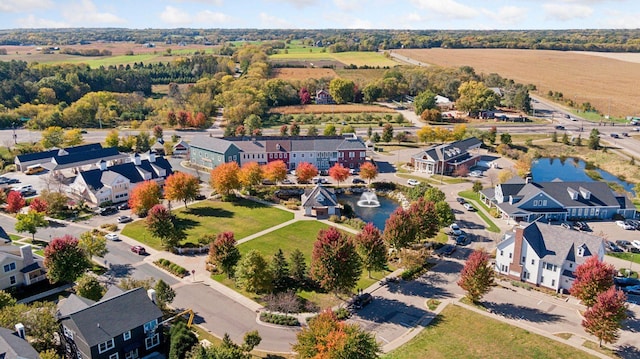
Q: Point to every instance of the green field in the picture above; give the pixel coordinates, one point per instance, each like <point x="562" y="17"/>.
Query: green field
<point x="351" y="57"/>
<point x="243" y="218"/>
<point x="460" y="333"/>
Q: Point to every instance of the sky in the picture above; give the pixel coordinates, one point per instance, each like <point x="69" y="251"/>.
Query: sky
<point x="323" y="14"/>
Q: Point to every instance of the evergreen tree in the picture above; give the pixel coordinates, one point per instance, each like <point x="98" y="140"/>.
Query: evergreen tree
<point x="298" y="266"/>
<point x="280" y="271"/>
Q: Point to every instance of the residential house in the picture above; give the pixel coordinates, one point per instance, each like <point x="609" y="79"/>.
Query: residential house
<point x="14" y="346"/>
<point x="158" y="147"/>
<point x="26" y="160"/>
<point x="210" y="152"/>
<point x="351" y="151"/>
<point x="18" y="266"/>
<point x="446" y="158"/>
<point x="121" y="325"/>
<point x="84" y="160"/>
<point x="444" y="103"/>
<point x="181" y="148"/>
<point x="320" y="202"/>
<point x="115" y="183"/>
<point x="524" y="200"/>
<point x="546" y="255"/>
<point x="323" y="97"/>
<point x="278" y="150"/>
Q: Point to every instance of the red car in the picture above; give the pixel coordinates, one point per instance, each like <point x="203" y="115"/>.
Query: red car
<point x="138" y="250"/>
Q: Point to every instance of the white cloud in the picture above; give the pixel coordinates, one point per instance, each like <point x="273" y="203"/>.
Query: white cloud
<point x="87" y="14"/>
<point x="174" y="16"/>
<point x="206" y="2"/>
<point x="273" y="22"/>
<point x="208" y="16"/>
<point x="348" y="22"/>
<point x="297" y="3"/>
<point x="32" y="22"/>
<point x="24" y="5"/>
<point x="414" y="17"/>
<point x="508" y="15"/>
<point x="451" y="9"/>
<point x="566" y="12"/>
<point x="618" y="20"/>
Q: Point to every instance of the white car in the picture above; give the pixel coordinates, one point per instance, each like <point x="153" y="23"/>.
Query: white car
<point x="475" y="174"/>
<point x="112" y="237"/>
<point x="455" y="229"/>
<point x="636" y="243"/>
<point x="413" y="182"/>
<point x="624" y="225"/>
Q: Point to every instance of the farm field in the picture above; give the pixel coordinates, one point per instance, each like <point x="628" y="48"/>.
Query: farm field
<point x="605" y="82"/>
<point x="351" y="57"/>
<point x="316" y="109"/>
<point x="302" y="73"/>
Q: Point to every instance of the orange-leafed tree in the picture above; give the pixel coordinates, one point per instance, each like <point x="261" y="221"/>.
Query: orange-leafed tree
<point x="251" y="174"/>
<point x="605" y="317"/>
<point x="592" y="278"/>
<point x="368" y="171"/>
<point x="143" y="197"/>
<point x="181" y="186"/>
<point x="305" y="172"/>
<point x="339" y="173"/>
<point x="275" y="171"/>
<point x="199" y="120"/>
<point x="39" y="205"/>
<point x="184" y="118"/>
<point x="15" y="202"/>
<point x="225" y="178"/>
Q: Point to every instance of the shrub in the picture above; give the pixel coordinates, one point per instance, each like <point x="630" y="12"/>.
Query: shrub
<point x="279" y="319"/>
<point x="342" y="313"/>
<point x="111" y="227"/>
<point x="433" y="304"/>
<point x="171" y="267"/>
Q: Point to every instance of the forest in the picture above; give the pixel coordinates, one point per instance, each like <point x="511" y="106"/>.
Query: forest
<point x="337" y="40"/>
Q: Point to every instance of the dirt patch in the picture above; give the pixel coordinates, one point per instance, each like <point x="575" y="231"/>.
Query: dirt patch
<point x="608" y="84"/>
<point x="316" y="109"/>
<point x="303" y="73"/>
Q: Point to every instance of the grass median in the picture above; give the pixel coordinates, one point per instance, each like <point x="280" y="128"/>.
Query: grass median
<point x="473" y="197"/>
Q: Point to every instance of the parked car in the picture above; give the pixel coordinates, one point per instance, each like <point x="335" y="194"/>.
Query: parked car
<point x="463" y="239"/>
<point x="625" y="134"/>
<point x="413" y="182"/>
<point x="200" y="197"/>
<point x="634" y="223"/>
<point x="124" y="219"/>
<point x="636" y="243"/>
<point x="287" y="181"/>
<point x="469" y="207"/>
<point x="581" y="226"/>
<point x="317" y="180"/>
<point x="139" y="250"/>
<point x="6" y="180"/>
<point x="475" y="173"/>
<point x="357" y="181"/>
<point x="455" y="229"/>
<point x="632" y="289"/>
<point x="360" y="301"/>
<point x="615" y="135"/>
<point x="625" y="281"/>
<point x="123" y="206"/>
<point x="559" y="127"/>
<point x="112" y="236"/>
<point x="612" y="247"/>
<point x="461" y="200"/>
<point x="107" y="211"/>
<point x="624" y="225"/>
<point x="565" y="225"/>
<point x="624" y="245"/>
<point x="448" y="249"/>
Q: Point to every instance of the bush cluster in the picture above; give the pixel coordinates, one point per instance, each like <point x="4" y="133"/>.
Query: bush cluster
<point x="111" y="227"/>
<point x="172" y="267"/>
<point x="279" y="319"/>
<point x="356" y="223"/>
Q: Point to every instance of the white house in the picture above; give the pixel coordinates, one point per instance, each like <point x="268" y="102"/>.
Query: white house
<point x="546" y="255"/>
<point x="320" y="202"/>
<point x="19" y="267"/>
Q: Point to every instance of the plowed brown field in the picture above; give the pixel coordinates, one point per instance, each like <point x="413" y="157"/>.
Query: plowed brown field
<point x="606" y="82"/>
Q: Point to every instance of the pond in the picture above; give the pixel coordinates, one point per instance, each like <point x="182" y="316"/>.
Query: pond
<point x="376" y="215"/>
<point x="547" y="169"/>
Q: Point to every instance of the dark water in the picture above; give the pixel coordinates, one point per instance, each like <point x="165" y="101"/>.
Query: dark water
<point x="571" y="169"/>
<point x="377" y="215"/>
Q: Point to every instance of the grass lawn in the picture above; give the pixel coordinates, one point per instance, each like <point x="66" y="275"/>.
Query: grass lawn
<point x="633" y="257"/>
<point x="243" y="218"/>
<point x="358" y="58"/>
<point x="472" y="196"/>
<point x="460" y="333"/>
<point x="15" y="237"/>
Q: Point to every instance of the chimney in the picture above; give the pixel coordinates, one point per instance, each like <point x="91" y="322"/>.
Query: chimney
<point x="26" y="254"/>
<point x="20" y="331"/>
<point x="135" y="158"/>
<point x="527" y="179"/>
<point x="152" y="157"/>
<point x="152" y="295"/>
<point x="102" y="165"/>
<point x="515" y="265"/>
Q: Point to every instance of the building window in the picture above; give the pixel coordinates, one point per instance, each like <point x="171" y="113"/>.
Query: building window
<point x="9" y="267"/>
<point x="533" y="261"/>
<point x="12" y="279"/>
<point x="524" y="259"/>
<point x="542" y="279"/>
<point x="113" y="356"/>
<point x="152" y="341"/>
<point x="126" y="335"/>
<point x="103" y="347"/>
<point x="510" y="255"/>
<point x="501" y="253"/>
<point x="553" y="282"/>
<point x="544" y="203"/>
<point x="67" y="332"/>
<point x="132" y="354"/>
<point x="150" y="325"/>
<point x="570" y="265"/>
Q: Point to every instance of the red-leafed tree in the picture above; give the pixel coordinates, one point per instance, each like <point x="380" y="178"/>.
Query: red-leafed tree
<point x="241" y="131"/>
<point x="592" y="278"/>
<point x="184" y="118"/>
<point x="223" y="253"/>
<point x="160" y="224"/>
<point x="371" y="248"/>
<point x="225" y="179"/>
<point x="284" y="130"/>
<point x="399" y="232"/>
<point x="305" y="96"/>
<point x="15" y="202"/>
<point x="181" y="186"/>
<point x="275" y="171"/>
<point x="157" y="131"/>
<point x="143" y="197"/>
<point x="251" y="174"/>
<point x="605" y="317"/>
<point x="425" y="218"/>
<point x="172" y="119"/>
<point x="368" y="171"/>
<point x="477" y="275"/>
<point x="39" y="205"/>
<point x="339" y="173"/>
<point x="199" y="120"/>
<point x="335" y="264"/>
<point x="305" y="172"/>
<point x="64" y="260"/>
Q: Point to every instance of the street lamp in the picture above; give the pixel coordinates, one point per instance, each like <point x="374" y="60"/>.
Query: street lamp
<point x="15" y="136"/>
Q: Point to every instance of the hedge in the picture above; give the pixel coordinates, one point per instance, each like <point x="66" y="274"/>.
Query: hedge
<point x="280" y="319"/>
<point x="171" y="267"/>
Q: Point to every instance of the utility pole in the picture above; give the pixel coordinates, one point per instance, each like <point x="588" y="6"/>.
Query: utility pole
<point x="15" y="136"/>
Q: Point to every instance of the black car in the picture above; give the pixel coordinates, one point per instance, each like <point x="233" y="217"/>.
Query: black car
<point x="357" y="181"/>
<point x="200" y="197"/>
<point x="361" y="301"/>
<point x="13" y="181"/>
<point x="107" y="211"/>
<point x="461" y="200"/>
<point x="123" y="206"/>
<point x="559" y="127"/>
<point x="448" y="250"/>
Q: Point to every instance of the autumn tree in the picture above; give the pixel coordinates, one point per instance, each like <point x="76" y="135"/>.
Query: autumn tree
<point x="30" y="222"/>
<point x="368" y="171"/>
<point x="523" y="165"/>
<point x="461" y="171"/>
<point x="327" y="337"/>
<point x="172" y="118"/>
<point x="223" y="253"/>
<point x="475" y="96"/>
<point x="253" y="273"/>
<point x="88" y="286"/>
<point x="592" y="278"/>
<point x="341" y="90"/>
<point x="431" y="115"/>
<point x="335" y="264"/>
<point x="93" y="244"/>
<point x="424" y="218"/>
<point x="305" y="97"/>
<point x="199" y="120"/>
<point x="305" y="172"/>
<point x="250" y="174"/>
<point x="294" y="129"/>
<point x="72" y="137"/>
<point x="183" y="118"/>
<point x="181" y="186"/>
<point x="143" y="197"/>
<point x="160" y="224"/>
<point x="15" y="202"/>
<point x="371" y="248"/>
<point x="477" y="275"/>
<point x="399" y="232"/>
<point x="604" y="318"/>
<point x="339" y="173"/>
<point x="52" y="137"/>
<point x="157" y="132"/>
<point x="39" y="205"/>
<point x="225" y="178"/>
<point x="275" y="171"/>
<point x="505" y="175"/>
<point x="64" y="260"/>
<point x="240" y="131"/>
<point x="284" y="130"/>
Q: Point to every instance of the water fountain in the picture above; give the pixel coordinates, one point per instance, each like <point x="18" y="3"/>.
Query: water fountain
<point x="368" y="200"/>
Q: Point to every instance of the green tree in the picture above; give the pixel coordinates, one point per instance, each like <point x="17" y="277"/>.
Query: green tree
<point x="387" y="133"/>
<point x="253" y="122"/>
<point x="445" y="215"/>
<point x="312" y="131"/>
<point x="52" y="137"/>
<point x="164" y="293"/>
<point x="554" y="136"/>
<point x="594" y="139"/>
<point x="112" y="139"/>
<point x="224" y="253"/>
<point x="371" y="248"/>
<point x="477" y="275"/>
<point x="330" y="130"/>
<point x="64" y="260"/>
<point x="335" y="264"/>
<point x="39" y="319"/>
<point x="160" y="224"/>
<point x="143" y="141"/>
<point x="475" y="96"/>
<point x="477" y="186"/>
<point x="182" y="340"/>
<point x="565" y="138"/>
<point x="73" y="137"/>
<point x="6" y="299"/>
<point x="88" y="286"/>
<point x="294" y="129"/>
<point x="505" y="138"/>
<point x="253" y="273"/>
<point x="298" y="266"/>
<point x="341" y="90"/>
<point x="434" y="194"/>
<point x="371" y="93"/>
<point x="30" y="222"/>
<point x="425" y="100"/>
<point x="93" y="245"/>
<point x="280" y="270"/>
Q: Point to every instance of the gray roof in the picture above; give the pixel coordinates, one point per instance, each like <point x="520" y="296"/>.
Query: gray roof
<point x="351" y="144"/>
<point x="302" y="145"/>
<point x="96" y="178"/>
<point x="250" y="146"/>
<point x="72" y="304"/>
<point x="56" y="152"/>
<point x="113" y="316"/>
<point x="445" y="152"/>
<point x="319" y="196"/>
<point x="555" y="244"/>
<point x="601" y="194"/>
<point x="215" y="144"/>
<point x="14" y="347"/>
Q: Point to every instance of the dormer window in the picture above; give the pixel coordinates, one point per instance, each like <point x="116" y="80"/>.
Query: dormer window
<point x="581" y="250"/>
